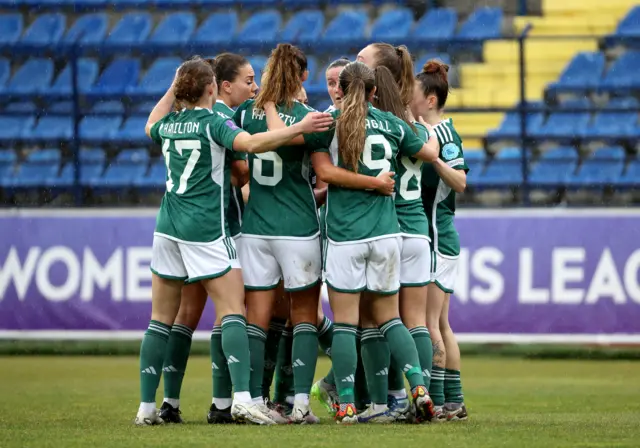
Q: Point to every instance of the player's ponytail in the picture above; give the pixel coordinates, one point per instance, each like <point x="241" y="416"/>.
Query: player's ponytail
<point x="434" y="80"/>
<point x="399" y="62"/>
<point x="282" y="77"/>
<point x="357" y="82"/>
<point x="387" y="96"/>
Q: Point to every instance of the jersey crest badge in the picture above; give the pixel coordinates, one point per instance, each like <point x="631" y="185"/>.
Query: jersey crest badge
<point x="450" y="151"/>
<point x="231" y="124"/>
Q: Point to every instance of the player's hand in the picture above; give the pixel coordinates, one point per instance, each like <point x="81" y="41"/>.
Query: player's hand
<point x="387" y="183"/>
<point x="316" y="122"/>
<point x="426" y="125"/>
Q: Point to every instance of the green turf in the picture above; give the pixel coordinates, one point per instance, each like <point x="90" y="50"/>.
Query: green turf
<point x="91" y="402"/>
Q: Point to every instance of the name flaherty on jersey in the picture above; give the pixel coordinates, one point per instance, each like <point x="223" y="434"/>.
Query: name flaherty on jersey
<point x="258" y="114"/>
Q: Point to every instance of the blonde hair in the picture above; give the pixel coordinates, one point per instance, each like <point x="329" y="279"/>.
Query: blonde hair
<point x="282" y="78"/>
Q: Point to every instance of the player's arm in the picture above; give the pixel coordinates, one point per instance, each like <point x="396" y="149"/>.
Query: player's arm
<point x="320" y="192"/>
<point x="454" y="178"/>
<point x="413" y="146"/>
<point x="239" y="172"/>
<point x="327" y="172"/>
<point x="275" y="122"/>
<point x="162" y="108"/>
<point x="268" y="141"/>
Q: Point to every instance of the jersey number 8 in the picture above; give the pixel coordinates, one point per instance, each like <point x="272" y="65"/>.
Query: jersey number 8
<point x="258" y="169"/>
<point x="180" y="146"/>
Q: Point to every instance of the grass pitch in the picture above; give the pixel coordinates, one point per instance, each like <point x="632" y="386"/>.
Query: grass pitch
<point x="91" y="401"/>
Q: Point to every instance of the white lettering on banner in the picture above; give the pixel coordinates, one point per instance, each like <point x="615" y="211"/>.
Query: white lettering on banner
<point x="483" y="267"/>
<point x="606" y="281"/>
<point x="527" y="293"/>
<point x="18" y="273"/>
<point x="631" y="283"/>
<point x="561" y="274"/>
<point x="51" y="256"/>
<point x="102" y="276"/>
<point x="138" y="260"/>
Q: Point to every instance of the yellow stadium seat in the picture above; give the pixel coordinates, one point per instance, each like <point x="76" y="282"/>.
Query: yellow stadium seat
<point x="472" y="144"/>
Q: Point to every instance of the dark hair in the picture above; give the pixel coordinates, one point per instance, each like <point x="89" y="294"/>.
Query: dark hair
<point x="357" y="81"/>
<point x="398" y="61"/>
<point x="434" y="80"/>
<point x="282" y="76"/>
<point x="343" y="61"/>
<point x="227" y="67"/>
<point x="192" y="78"/>
<point x="387" y="96"/>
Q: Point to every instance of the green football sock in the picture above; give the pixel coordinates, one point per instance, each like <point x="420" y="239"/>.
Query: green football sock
<point x="452" y="387"/>
<point x="276" y="327"/>
<point x="305" y="356"/>
<point x="236" y="350"/>
<point x="404" y="351"/>
<point x="437" y="385"/>
<point x="422" y="339"/>
<point x="152" y="353"/>
<point x="257" y="341"/>
<point x="222" y="386"/>
<point x="345" y="360"/>
<point x="396" y="377"/>
<point x="361" y="388"/>
<point x="175" y="361"/>
<point x="284" y="370"/>
<point x="376" y="359"/>
<point x="325" y="339"/>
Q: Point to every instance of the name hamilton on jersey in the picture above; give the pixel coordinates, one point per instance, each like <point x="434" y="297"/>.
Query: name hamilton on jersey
<point x="189" y="127"/>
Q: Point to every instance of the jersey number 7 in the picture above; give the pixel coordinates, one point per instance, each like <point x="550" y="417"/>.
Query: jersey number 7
<point x="180" y="146"/>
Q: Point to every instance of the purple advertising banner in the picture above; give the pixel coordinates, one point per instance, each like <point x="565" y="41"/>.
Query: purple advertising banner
<point x="524" y="276"/>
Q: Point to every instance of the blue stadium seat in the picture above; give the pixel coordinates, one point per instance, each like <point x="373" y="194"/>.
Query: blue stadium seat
<point x="61" y="107"/>
<point x="133" y="28"/>
<point x="23" y="106"/>
<point x="614" y="125"/>
<point x="91" y="168"/>
<point x="47" y="29"/>
<point x="622" y="75"/>
<point x="13" y="127"/>
<point x="87" y="74"/>
<point x="219" y="28"/>
<point x="34" y="76"/>
<point x="99" y="128"/>
<point x="8" y="160"/>
<point x="174" y="29"/>
<point x="260" y="30"/>
<point x="554" y="167"/>
<point x="564" y="125"/>
<point x="300" y="3"/>
<point x="144" y="108"/>
<point x="88" y="29"/>
<point x="10" y="28"/>
<point x="304" y="27"/>
<point x="504" y="170"/>
<point x="436" y="26"/>
<point x="631" y="176"/>
<point x="155" y="178"/>
<point x="475" y="160"/>
<point x="483" y="24"/>
<point x="5" y="72"/>
<point x="129" y="165"/>
<point x="312" y="67"/>
<point x="118" y="77"/>
<point x="158" y="77"/>
<point x="583" y="73"/>
<point x="108" y="107"/>
<point x="604" y="167"/>
<point x="346" y="28"/>
<point x="392" y="26"/>
<point x="38" y="165"/>
<point x="628" y="28"/>
<point x="510" y="126"/>
<point x="181" y="4"/>
<point x="52" y="128"/>
<point x="133" y="130"/>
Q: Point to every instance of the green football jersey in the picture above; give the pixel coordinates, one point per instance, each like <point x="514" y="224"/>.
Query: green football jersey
<point x="411" y="216"/>
<point x="281" y="203"/>
<point x="360" y="215"/>
<point x="236" y="204"/>
<point x="438" y="198"/>
<point x="193" y="144"/>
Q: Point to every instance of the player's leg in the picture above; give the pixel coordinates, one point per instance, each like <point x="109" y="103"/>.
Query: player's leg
<point x="383" y="281"/>
<point x="192" y="302"/>
<point x="415" y="275"/>
<point x="345" y="276"/>
<point x="169" y="274"/>
<point x="225" y="286"/>
<point x="274" y="335"/>
<point x="284" y="390"/>
<point x="301" y="268"/>
<point x="435" y="302"/>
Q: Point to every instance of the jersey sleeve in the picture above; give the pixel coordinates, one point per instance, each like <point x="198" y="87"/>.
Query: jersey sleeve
<point x="223" y="131"/>
<point x="452" y="154"/>
<point x="422" y="132"/>
<point x="238" y="116"/>
<point x="237" y="155"/>
<point x="410" y="143"/>
<point x="155" y="132"/>
<point x="319" y="141"/>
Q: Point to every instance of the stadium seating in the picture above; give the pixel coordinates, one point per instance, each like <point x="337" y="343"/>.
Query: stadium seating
<point x="87" y="74"/>
<point x="304" y="27"/>
<point x="602" y="168"/>
<point x="554" y="168"/>
<point x="129" y="165"/>
<point x="436" y="26"/>
<point x="34" y="76"/>
<point x="392" y="26"/>
<point x="346" y="27"/>
<point x="175" y="29"/>
<point x="10" y="28"/>
<point x="628" y="30"/>
<point x="88" y="29"/>
<point x="218" y="28"/>
<point x="621" y="77"/>
<point x="47" y="29"/>
<point x="615" y="125"/>
<point x="261" y="29"/>
<point x="582" y="74"/>
<point x="37" y="167"/>
<point x="505" y="170"/>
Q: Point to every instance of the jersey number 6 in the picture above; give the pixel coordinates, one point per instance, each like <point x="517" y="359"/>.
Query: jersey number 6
<point x="258" y="169"/>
